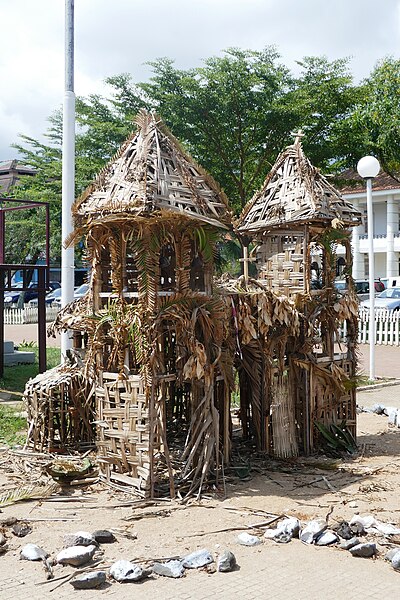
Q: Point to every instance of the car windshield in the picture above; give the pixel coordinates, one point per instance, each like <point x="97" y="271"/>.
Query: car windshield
<point x="54" y="294"/>
<point x="82" y="289"/>
<point x="390" y="293"/>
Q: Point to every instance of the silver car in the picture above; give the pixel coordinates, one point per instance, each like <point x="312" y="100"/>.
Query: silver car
<point x="388" y="299"/>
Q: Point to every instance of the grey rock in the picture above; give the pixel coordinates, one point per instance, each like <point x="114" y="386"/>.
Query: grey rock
<point x="197" y="559"/>
<point x="389" y="555"/>
<point x="76" y="555"/>
<point x="3" y="539"/>
<point x="312" y="530"/>
<point x="378" y="409"/>
<point x="363" y="550"/>
<point x="290" y="526"/>
<point x="89" y="581"/>
<point x="80" y="538"/>
<point x="172" y="568"/>
<point x="124" y="570"/>
<point x="344" y="530"/>
<point x="33" y="552"/>
<point x="21" y="529"/>
<point x="326" y="538"/>
<point x="396" y="561"/>
<point x="103" y="536"/>
<point x="226" y="562"/>
<point x="282" y="538"/>
<point x="245" y="539"/>
<point x="347" y="544"/>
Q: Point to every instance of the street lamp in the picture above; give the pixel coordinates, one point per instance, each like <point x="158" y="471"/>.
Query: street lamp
<point x="368" y="167"/>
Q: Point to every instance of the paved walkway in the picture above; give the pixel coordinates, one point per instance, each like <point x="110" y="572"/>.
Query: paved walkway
<point x="387" y="358"/>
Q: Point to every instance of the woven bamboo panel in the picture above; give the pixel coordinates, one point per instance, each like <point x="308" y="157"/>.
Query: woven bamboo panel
<point x="280" y="262"/>
<point x="123" y="431"/>
<point x="327" y="408"/>
<point x="295" y="192"/>
<point x="60" y="411"/>
<point x="152" y="172"/>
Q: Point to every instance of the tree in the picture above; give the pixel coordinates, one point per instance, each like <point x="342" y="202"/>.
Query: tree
<point x="376" y="121"/>
<point x="234" y="114"/>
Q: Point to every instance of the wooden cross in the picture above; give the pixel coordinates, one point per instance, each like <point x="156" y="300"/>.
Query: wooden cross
<point x="297" y="135"/>
<point x="246" y="260"/>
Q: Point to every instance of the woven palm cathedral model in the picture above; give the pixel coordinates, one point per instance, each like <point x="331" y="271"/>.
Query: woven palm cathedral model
<point x="156" y="344"/>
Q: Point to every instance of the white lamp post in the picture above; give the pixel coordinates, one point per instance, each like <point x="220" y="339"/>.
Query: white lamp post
<point x="368" y="167"/>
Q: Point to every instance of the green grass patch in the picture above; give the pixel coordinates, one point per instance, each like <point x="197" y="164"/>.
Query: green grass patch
<point x="11" y="426"/>
<point x="15" y="377"/>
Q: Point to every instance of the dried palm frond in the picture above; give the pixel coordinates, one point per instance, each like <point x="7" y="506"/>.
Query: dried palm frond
<point x="28" y="492"/>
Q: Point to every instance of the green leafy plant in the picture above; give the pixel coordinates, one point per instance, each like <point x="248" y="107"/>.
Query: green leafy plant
<point x="337" y="438"/>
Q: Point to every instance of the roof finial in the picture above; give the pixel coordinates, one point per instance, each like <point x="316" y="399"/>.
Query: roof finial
<point x="297" y="136"/>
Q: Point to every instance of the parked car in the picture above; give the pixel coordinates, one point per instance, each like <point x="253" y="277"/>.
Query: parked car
<point x="51" y="297"/>
<point x="388" y="299"/>
<point x="78" y="293"/>
<point x="361" y="286"/>
<point x="13" y="297"/>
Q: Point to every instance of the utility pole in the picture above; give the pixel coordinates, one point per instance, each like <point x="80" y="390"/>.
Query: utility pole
<point x="68" y="170"/>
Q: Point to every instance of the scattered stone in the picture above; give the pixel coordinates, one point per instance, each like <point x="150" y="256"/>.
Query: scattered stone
<point x="372" y="525"/>
<point x="396" y="560"/>
<point x="378" y="409"/>
<point x="172" y="568"/>
<point x="347" y="544"/>
<point x="3" y="539"/>
<point x="282" y="538"/>
<point x="363" y="550"/>
<point x="391" y="412"/>
<point x="21" y="529"/>
<point x="226" y="562"/>
<point x="197" y="559"/>
<point x="33" y="552"/>
<point x="312" y="531"/>
<point x="124" y="570"/>
<point x="285" y="531"/>
<point x="344" y="531"/>
<point x="326" y="538"/>
<point x="80" y="538"/>
<point x="211" y="569"/>
<point x="291" y="526"/>
<point x="76" y="555"/>
<point x="3" y="549"/>
<point x="103" y="536"/>
<point x="89" y="581"/>
<point x="245" y="539"/>
<point x="389" y="555"/>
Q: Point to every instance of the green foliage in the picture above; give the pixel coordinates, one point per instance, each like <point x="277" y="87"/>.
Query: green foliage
<point x="234" y="114"/>
<point x="15" y="377"/>
<point x="376" y="121"/>
<point x="11" y="424"/>
<point x="337" y="439"/>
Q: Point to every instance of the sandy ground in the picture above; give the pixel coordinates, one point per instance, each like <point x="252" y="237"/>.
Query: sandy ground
<point x="306" y="488"/>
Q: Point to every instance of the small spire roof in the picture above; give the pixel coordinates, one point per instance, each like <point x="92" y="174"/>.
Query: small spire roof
<point x="152" y="173"/>
<point x="294" y="193"/>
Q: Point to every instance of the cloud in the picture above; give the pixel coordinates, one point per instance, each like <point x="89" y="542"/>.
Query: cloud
<point x="121" y="36"/>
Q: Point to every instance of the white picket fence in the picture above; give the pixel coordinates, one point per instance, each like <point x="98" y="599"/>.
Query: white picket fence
<point x="21" y="316"/>
<point x="387" y="327"/>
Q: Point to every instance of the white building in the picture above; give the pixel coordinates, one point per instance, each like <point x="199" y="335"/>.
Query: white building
<point x="386" y="209"/>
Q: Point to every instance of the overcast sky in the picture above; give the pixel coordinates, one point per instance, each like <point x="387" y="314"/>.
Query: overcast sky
<point x="118" y="36"/>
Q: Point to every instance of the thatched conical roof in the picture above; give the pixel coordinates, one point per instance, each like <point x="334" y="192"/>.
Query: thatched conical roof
<point x="295" y="193"/>
<point x="151" y="173"/>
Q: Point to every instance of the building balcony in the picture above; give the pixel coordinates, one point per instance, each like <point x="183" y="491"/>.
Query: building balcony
<point x="380" y="242"/>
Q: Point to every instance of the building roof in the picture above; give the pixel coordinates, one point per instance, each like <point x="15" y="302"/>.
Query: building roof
<point x="295" y="193"/>
<point x="350" y="182"/>
<point x="10" y="172"/>
<point x="150" y="174"/>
